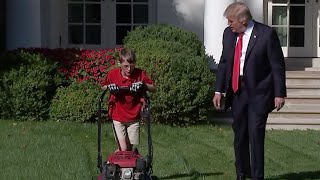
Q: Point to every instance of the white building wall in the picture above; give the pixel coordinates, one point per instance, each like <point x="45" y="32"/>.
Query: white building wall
<point x="186" y="14"/>
<point x="57" y="17"/>
<point x="45" y="23"/>
<point x="23" y="24"/>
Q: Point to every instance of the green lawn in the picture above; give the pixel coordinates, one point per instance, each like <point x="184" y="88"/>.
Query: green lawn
<point x="59" y="150"/>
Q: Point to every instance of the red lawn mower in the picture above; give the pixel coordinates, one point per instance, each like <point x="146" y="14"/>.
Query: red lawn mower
<point x="126" y="165"/>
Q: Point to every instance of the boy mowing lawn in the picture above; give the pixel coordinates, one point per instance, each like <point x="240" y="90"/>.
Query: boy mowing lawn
<point x="125" y="106"/>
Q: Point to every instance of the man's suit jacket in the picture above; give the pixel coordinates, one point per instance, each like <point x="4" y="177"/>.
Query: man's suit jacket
<point x="263" y="72"/>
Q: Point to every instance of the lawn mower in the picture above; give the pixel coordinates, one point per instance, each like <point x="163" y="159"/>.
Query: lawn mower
<point x="126" y="165"/>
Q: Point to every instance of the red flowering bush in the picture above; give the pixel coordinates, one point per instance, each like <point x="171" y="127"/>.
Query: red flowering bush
<point x="81" y="65"/>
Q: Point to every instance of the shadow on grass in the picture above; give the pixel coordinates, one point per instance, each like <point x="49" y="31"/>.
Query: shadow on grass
<point x="193" y="175"/>
<point x="298" y="176"/>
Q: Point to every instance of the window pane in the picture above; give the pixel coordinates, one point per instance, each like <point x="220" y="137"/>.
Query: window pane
<point x="297" y="1"/>
<point x="279" y="15"/>
<point x="122" y="32"/>
<point x="123" y="13"/>
<point x="140" y="0"/>
<point x="93" y="14"/>
<point x="280" y="1"/>
<point x="282" y="34"/>
<point x="93" y="34"/>
<point x="75" y="34"/>
<point x="140" y="13"/>
<point x="297" y="15"/>
<point x="296" y="37"/>
<point x="75" y="13"/>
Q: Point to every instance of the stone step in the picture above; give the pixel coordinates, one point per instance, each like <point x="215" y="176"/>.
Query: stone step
<point x="295" y="116"/>
<point x="302" y="99"/>
<point x="303" y="89"/>
<point x="294" y="81"/>
<point x="312" y="69"/>
<point x="302" y="77"/>
<point x="301" y="63"/>
<point x="292" y="127"/>
<point x="301" y="73"/>
<point x="293" y="121"/>
<point x="292" y="115"/>
<point x="300" y="108"/>
<point x="283" y="120"/>
<point x="303" y="111"/>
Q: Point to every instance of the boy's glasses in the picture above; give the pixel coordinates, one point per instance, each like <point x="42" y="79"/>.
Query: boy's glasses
<point x="127" y="66"/>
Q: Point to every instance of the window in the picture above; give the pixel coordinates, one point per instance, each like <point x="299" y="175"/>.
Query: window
<point x="98" y="24"/>
<point x="130" y="14"/>
<point x="288" y="19"/>
<point x="84" y="22"/>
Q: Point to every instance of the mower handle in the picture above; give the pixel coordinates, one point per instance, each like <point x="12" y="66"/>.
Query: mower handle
<point x="122" y="88"/>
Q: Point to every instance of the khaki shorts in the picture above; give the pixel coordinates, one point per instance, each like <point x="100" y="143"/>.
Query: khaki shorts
<point x="128" y="131"/>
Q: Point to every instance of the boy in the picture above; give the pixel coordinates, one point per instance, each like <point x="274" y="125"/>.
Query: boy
<point x="125" y="106"/>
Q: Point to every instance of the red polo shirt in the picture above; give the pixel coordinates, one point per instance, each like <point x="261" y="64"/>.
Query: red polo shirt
<point x="125" y="107"/>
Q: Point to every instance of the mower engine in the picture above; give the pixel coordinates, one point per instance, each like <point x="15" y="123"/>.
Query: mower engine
<point x="124" y="165"/>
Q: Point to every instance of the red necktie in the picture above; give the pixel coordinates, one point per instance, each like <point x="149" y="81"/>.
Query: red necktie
<point x="236" y="64"/>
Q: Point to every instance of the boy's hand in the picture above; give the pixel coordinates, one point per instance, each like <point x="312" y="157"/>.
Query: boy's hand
<point x="113" y="88"/>
<point x="136" y="87"/>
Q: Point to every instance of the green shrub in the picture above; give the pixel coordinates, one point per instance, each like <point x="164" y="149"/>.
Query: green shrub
<point x="164" y="32"/>
<point x="5" y="110"/>
<point x="27" y="87"/>
<point x="178" y="65"/>
<point x="77" y="102"/>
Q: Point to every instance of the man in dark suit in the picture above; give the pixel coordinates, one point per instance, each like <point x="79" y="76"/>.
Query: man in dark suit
<point x="251" y="72"/>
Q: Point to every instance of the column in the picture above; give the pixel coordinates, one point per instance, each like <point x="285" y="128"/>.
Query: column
<point x="256" y="9"/>
<point x="214" y="25"/>
<point x="23" y="24"/>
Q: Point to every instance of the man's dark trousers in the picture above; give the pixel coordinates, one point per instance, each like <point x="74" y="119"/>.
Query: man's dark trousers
<point x="249" y="134"/>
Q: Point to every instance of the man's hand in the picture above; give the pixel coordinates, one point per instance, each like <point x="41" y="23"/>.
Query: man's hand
<point x="279" y="102"/>
<point x="136" y="87"/>
<point x="113" y="88"/>
<point x="217" y="101"/>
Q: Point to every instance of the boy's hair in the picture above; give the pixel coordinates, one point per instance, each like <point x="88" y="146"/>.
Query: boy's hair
<point x="127" y="54"/>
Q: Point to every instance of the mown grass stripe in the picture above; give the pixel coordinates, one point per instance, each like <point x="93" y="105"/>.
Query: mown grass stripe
<point x="66" y="150"/>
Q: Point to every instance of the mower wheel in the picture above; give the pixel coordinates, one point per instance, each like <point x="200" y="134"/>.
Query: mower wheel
<point x="110" y="172"/>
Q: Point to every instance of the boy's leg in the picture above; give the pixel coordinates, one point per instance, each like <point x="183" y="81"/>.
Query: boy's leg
<point x="121" y="135"/>
<point x="134" y="132"/>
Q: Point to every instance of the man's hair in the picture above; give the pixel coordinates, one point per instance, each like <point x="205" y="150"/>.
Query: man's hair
<point x="239" y="11"/>
<point x="127" y="54"/>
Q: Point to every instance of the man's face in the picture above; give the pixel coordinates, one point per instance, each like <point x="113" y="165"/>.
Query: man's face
<point x="235" y="25"/>
<point x="127" y="68"/>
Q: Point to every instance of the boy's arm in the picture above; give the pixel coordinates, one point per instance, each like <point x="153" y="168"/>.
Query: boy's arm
<point x="148" y="82"/>
<point x="151" y="87"/>
<point x="104" y="87"/>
